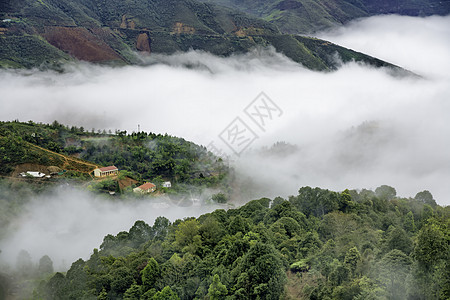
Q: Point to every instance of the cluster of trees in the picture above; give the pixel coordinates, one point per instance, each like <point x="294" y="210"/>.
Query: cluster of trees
<point x="49" y="136"/>
<point x="319" y="244"/>
<point x="26" y="268"/>
<point x="149" y="155"/>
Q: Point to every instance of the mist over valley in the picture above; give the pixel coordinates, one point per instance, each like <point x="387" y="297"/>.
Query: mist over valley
<point x="375" y="141"/>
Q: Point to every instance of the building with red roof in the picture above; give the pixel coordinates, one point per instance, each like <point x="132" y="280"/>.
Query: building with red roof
<point x="146" y="188"/>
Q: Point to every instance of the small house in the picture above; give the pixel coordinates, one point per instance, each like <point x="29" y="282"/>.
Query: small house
<point x="167" y="184"/>
<point x="146" y="188"/>
<point x="106" y="171"/>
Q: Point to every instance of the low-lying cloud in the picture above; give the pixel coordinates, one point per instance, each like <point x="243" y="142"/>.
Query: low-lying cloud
<point x="358" y="127"/>
<point x="69" y="223"/>
<point x="196" y="95"/>
<point x="418" y="44"/>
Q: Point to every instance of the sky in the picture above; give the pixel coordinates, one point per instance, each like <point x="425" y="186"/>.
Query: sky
<point x="358" y="127"/>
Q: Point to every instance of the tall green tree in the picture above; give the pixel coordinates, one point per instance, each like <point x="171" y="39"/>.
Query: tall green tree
<point x="409" y="223"/>
<point x="261" y="274"/>
<point x="166" y="294"/>
<point x="432" y="253"/>
<point x="24" y="264"/>
<point x="187" y="237"/>
<point x="385" y="192"/>
<point x="352" y="259"/>
<point x="425" y="197"/>
<point x="45" y="265"/>
<point x="217" y="290"/>
<point x="150" y="274"/>
<point x="393" y="269"/>
<point x="397" y="238"/>
<point x="134" y="292"/>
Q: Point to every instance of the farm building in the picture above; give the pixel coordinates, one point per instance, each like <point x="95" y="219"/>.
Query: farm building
<point x="106" y="171"/>
<point x="145" y="188"/>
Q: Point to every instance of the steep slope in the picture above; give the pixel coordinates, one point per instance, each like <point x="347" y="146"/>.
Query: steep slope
<point x="109" y="32"/>
<point x="24" y="50"/>
<point x="20" y="145"/>
<point x="306" y="16"/>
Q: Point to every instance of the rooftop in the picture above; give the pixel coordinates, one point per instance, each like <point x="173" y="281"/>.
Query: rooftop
<point x="147" y="186"/>
<point x="110" y="168"/>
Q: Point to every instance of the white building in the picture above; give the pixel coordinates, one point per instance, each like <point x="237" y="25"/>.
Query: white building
<point x="106" y="171"/>
<point x="33" y="174"/>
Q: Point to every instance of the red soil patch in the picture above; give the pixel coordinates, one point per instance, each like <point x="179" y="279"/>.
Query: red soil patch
<point x="126" y="182"/>
<point x="143" y="43"/>
<point x="80" y="43"/>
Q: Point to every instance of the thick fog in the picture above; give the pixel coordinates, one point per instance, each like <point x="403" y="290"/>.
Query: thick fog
<point x="68" y="223"/>
<point x="420" y="45"/>
<point x="357" y="127"/>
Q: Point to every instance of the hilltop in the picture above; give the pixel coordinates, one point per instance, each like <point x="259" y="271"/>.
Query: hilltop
<point x="47" y="33"/>
<point x="73" y="152"/>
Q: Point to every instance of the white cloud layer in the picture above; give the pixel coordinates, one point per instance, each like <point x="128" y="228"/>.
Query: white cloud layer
<point x="357" y="127"/>
<point x="68" y="224"/>
<point x="418" y="44"/>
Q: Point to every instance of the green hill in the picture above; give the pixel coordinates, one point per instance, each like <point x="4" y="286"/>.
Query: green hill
<point x="47" y="32"/>
<point x="143" y="156"/>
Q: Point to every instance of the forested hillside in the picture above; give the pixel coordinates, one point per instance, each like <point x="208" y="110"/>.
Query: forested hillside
<point x="149" y="155"/>
<point x="40" y="145"/>
<point x="318" y="244"/>
<point x="144" y="156"/>
<point x="47" y="33"/>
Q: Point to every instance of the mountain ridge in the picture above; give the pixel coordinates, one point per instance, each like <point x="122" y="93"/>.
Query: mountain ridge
<point x="47" y="32"/>
<point x="307" y="16"/>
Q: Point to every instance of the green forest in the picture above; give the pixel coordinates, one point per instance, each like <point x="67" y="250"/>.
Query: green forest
<point x="319" y="244"/>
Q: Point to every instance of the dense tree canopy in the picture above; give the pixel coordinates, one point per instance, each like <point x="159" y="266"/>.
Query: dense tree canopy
<point x="349" y="245"/>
